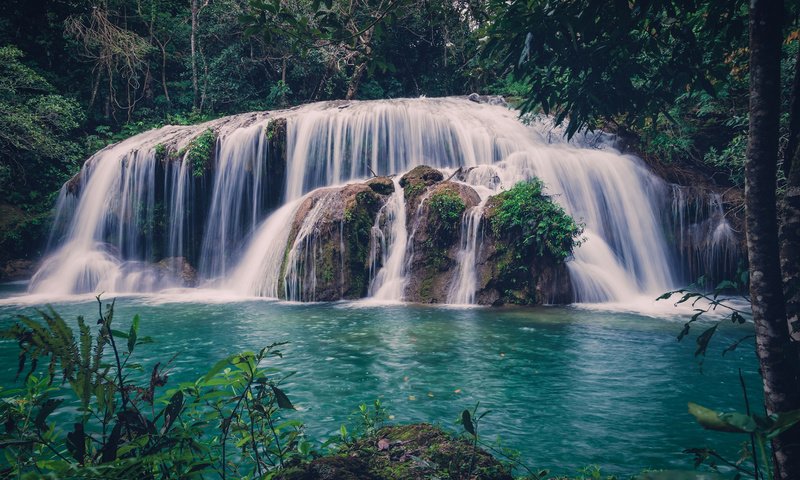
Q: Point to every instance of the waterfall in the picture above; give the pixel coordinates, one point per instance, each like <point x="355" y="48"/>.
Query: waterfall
<point x="390" y="281"/>
<point x="235" y="199"/>
<point x="128" y="208"/>
<point x="704" y="237"/>
<point x="462" y="291"/>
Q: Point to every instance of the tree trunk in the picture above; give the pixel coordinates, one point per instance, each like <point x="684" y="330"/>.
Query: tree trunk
<point x="163" y="47"/>
<point x="361" y="67"/>
<point x="790" y="225"/>
<point x="776" y="352"/>
<point x="193" y="47"/>
<point x="355" y="81"/>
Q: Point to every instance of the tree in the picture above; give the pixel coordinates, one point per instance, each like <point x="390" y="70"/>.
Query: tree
<point x="592" y="62"/>
<point x="777" y="353"/>
<point x="35" y="124"/>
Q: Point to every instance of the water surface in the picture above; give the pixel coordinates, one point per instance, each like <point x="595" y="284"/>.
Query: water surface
<point x="566" y="386"/>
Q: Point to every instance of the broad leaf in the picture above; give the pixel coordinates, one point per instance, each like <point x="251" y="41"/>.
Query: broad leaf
<point x="466" y="419"/>
<point x="710" y="420"/>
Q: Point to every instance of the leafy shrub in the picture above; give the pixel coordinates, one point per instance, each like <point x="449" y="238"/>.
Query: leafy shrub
<point x="534" y="222"/>
<point x="125" y="430"/>
<point x="200" y="153"/>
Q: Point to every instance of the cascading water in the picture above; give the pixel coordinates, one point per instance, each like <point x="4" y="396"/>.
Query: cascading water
<point x="462" y="291"/>
<point x="390" y="280"/>
<point x="219" y="220"/>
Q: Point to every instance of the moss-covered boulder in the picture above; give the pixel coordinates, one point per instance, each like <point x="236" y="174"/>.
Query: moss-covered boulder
<point x="434" y="233"/>
<point x="527" y="240"/>
<point x="327" y="255"/>
<point x="381" y="185"/>
<point x="416" y="181"/>
<point x="407" y="452"/>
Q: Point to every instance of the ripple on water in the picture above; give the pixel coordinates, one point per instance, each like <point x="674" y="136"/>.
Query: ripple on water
<point x="567" y="387"/>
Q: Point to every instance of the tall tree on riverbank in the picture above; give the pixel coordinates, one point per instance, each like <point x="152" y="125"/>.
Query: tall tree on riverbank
<point x="625" y="64"/>
<point x="777" y="353"/>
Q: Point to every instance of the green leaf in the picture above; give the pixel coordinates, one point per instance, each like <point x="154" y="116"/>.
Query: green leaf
<point x="283" y="400"/>
<point x="665" y="296"/>
<point x="466" y="419"/>
<point x="218" y="367"/>
<point x="76" y="443"/>
<point x="132" y="335"/>
<point x="173" y="410"/>
<point x="119" y="333"/>
<point x="739" y="420"/>
<point x="783" y="422"/>
<point x="48" y="407"/>
<point x="703" y="339"/>
<point x="710" y="420"/>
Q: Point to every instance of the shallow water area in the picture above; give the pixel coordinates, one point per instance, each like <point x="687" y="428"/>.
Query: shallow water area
<point x="566" y="386"/>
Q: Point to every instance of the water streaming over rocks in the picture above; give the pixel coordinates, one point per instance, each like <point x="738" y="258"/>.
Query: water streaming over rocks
<point x="239" y="217"/>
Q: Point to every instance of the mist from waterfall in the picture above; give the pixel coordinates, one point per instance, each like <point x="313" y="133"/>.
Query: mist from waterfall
<point x="240" y="239"/>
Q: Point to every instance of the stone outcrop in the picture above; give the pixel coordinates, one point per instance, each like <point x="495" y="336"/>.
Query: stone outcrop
<point x="327" y="255"/>
<point x="506" y="275"/>
<point x="434" y="226"/>
<point x="416" y="181"/>
<point x="18" y="269"/>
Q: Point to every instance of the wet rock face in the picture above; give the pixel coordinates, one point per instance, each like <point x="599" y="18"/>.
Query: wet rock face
<point x="19" y="269"/>
<point x="178" y="269"/>
<point x="381" y="185"/>
<point x="327" y="256"/>
<point x="435" y="217"/>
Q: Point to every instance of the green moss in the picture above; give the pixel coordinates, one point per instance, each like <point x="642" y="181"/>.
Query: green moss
<point x="200" y="152"/>
<point x="414" y="451"/>
<point x="413" y="190"/>
<point x="161" y="152"/>
<point x="530" y="232"/>
<point x="359" y="217"/>
<point x="446" y="208"/>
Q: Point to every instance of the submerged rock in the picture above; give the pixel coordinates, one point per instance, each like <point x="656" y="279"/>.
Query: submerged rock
<point x="406" y="452"/>
<point x="179" y="269"/>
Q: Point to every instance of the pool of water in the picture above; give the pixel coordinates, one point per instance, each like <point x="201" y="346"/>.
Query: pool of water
<point x="567" y="386"/>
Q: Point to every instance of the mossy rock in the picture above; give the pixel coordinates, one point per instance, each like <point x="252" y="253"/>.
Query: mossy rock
<point x="517" y="266"/>
<point x="338" y="243"/>
<point x="381" y="185"/>
<point x="416" y="181"/>
<point x="404" y="452"/>
<point x="436" y="229"/>
<point x="200" y="153"/>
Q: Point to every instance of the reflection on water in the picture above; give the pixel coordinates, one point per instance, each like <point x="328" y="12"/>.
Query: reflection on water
<point x="567" y="387"/>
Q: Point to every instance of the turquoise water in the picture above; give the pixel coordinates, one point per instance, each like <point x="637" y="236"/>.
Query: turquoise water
<point x="566" y="386"/>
